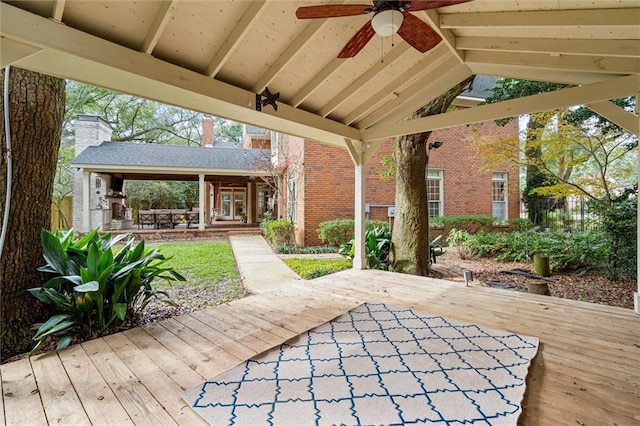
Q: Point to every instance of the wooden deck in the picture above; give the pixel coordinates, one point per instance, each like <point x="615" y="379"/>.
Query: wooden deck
<point x="587" y="371"/>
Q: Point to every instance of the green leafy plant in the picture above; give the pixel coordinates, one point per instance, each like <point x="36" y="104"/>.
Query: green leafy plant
<point x="304" y="250"/>
<point x="280" y="233"/>
<point x="96" y="285"/>
<point x="377" y="246"/>
<point x="336" y="232"/>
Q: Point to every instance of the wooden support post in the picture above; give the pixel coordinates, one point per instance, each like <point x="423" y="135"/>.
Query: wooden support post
<point x="201" y="210"/>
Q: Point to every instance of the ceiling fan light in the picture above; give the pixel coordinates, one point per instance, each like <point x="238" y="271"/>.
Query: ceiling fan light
<point x="387" y="22"/>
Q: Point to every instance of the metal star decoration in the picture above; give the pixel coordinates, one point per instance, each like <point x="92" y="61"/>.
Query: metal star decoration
<point x="269" y="99"/>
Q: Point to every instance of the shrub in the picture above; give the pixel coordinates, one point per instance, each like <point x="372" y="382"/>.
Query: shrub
<point x="565" y="250"/>
<point x="96" y="286"/>
<point x="314" y="268"/>
<point x="336" y="232"/>
<point x="280" y="233"/>
<point x="304" y="250"/>
<point x="264" y="225"/>
<point x="377" y="246"/>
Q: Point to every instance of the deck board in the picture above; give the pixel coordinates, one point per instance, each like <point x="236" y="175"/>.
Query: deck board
<point x="59" y="400"/>
<point x="586" y="370"/>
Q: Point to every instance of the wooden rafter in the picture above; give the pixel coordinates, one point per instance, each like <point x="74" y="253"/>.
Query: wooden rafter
<point x="235" y="37"/>
<point x="628" y="121"/>
<point x="552" y="46"/>
<point x="57" y="10"/>
<point x="313" y="84"/>
<point x="365" y="78"/>
<point x="158" y="25"/>
<point x="448" y="38"/>
<point x="596" y="92"/>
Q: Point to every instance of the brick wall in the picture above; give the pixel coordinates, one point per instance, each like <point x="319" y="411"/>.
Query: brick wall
<point x="328" y="189"/>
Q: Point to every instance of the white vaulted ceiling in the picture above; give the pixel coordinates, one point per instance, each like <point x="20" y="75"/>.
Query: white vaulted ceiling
<point x="214" y="56"/>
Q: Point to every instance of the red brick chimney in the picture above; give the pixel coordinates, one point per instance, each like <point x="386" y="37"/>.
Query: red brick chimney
<point x="207" y="131"/>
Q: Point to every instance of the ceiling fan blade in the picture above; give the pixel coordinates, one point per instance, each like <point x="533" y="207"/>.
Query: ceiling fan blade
<point x="332" y="10"/>
<point x="418" y="34"/>
<point x="358" y="41"/>
<point x="432" y="4"/>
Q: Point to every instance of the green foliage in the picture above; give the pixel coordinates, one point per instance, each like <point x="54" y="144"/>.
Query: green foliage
<point x="280" y="233"/>
<point x="336" y="232"/>
<point x="518" y="224"/>
<point x="96" y="286"/>
<point x="565" y="250"/>
<point x="305" y="250"/>
<point x="314" y="268"/>
<point x="377" y="245"/>
<point x="264" y="225"/>
<point x="145" y="195"/>
<point x="476" y="221"/>
<point x="619" y="223"/>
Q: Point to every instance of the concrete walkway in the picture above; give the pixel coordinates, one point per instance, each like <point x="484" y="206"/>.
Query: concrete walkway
<point x="260" y="268"/>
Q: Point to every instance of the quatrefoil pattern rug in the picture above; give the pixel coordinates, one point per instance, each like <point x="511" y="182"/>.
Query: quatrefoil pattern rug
<point x="376" y="365"/>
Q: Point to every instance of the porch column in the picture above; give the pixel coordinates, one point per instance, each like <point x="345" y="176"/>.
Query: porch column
<point x="202" y="201"/>
<point x="360" y="153"/>
<point x="86" y="201"/>
<point x="250" y="202"/>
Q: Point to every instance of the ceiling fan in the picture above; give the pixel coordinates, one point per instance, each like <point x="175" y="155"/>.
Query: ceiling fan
<point x="389" y="17"/>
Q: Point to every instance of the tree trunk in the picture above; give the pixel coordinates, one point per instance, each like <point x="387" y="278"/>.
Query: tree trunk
<point x="410" y="253"/>
<point x="36" y="109"/>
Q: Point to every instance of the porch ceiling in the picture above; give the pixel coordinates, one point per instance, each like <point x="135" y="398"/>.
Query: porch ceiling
<point x="215" y="56"/>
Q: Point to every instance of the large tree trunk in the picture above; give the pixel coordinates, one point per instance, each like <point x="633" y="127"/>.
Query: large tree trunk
<point x="410" y="252"/>
<point x="36" y="109"/>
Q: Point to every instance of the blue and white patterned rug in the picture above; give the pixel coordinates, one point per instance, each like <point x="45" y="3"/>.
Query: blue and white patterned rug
<point x="376" y="365"/>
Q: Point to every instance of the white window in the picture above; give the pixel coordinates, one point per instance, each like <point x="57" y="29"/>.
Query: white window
<point x="292" y="198"/>
<point x="499" y="196"/>
<point x="434" y="193"/>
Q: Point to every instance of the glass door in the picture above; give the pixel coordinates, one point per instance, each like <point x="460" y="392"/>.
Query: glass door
<point x="239" y="210"/>
<point x="226" y="207"/>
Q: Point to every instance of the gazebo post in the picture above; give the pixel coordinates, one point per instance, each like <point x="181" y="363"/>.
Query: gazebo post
<point x="360" y="153"/>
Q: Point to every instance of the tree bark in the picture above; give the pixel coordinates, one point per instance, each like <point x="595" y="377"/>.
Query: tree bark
<point x="410" y="249"/>
<point x="36" y="109"/>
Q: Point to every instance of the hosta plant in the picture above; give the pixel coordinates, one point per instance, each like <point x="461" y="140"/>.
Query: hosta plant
<point x="98" y="283"/>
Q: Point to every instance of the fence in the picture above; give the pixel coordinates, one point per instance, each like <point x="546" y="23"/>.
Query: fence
<point x="569" y="214"/>
<point x="61" y="213"/>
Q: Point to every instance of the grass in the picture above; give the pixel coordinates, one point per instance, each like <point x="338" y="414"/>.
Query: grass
<point x="202" y="263"/>
<point x="314" y="268"/>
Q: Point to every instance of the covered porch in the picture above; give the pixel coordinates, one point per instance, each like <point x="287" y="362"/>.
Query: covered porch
<point x="585" y="372"/>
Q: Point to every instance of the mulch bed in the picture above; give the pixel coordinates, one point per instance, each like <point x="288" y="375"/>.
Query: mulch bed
<point x="588" y="286"/>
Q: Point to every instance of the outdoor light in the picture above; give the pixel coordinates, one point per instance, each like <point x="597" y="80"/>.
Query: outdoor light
<point x="435" y="145"/>
<point x="387" y="22"/>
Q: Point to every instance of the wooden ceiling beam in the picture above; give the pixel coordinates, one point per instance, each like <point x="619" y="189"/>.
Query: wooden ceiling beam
<point x="589" y="93"/>
<point x="235" y="37"/>
<point x="57" y="10"/>
<point x="391" y="90"/>
<point x="14" y="51"/>
<point x="524" y="72"/>
<point x="292" y="50"/>
<point x="424" y="90"/>
<point x="448" y="38"/>
<point x="612" y="112"/>
<point x="593" y="64"/>
<point x="158" y="25"/>
<point x="551" y="46"/>
<point x="73" y="54"/>
<point x="365" y="78"/>
<point x="543" y="19"/>
<point x="313" y="84"/>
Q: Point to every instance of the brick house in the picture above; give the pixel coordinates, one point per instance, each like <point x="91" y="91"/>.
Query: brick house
<point x="458" y="184"/>
<point x="303" y="180"/>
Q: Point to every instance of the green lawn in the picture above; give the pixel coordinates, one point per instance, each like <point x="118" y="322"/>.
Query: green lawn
<point x="202" y="263"/>
<point x="314" y="268"/>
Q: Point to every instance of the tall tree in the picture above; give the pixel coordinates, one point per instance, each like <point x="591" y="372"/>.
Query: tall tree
<point x="411" y="227"/>
<point x="36" y="109"/>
